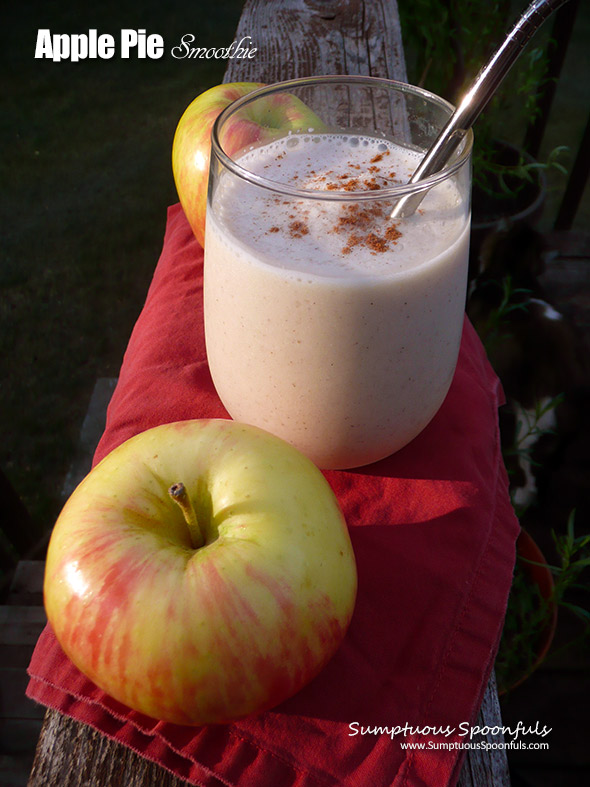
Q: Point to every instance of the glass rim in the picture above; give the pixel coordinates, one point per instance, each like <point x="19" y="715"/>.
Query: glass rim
<point x="391" y="192"/>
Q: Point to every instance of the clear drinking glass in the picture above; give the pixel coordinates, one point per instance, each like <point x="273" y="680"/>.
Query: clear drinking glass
<point x="327" y="322"/>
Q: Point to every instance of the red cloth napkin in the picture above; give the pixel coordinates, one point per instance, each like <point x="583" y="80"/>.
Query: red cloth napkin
<point x="434" y="536"/>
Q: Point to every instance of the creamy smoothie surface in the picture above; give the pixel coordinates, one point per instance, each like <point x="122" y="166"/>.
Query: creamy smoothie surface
<point x="326" y="322"/>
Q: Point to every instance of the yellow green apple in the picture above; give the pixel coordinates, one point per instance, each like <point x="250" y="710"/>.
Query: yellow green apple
<point x="265" y="119"/>
<point x="201" y="572"/>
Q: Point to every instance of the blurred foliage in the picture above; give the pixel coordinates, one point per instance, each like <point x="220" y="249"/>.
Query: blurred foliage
<point x="447" y="42"/>
<point x="86" y="181"/>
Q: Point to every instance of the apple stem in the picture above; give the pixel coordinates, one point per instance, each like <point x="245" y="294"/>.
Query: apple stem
<point x="180" y="496"/>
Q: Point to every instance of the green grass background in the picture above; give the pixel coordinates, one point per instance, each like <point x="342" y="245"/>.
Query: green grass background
<point x="86" y="179"/>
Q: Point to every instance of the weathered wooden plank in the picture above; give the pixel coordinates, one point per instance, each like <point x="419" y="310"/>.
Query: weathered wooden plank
<point x="311" y="37"/>
<point x="71" y="754"/>
<point x="297" y="38"/>
<point x="294" y="38"/>
<point x="487" y="767"/>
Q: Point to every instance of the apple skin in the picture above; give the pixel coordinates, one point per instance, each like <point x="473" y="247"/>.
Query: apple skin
<point x="206" y="635"/>
<point x="264" y="120"/>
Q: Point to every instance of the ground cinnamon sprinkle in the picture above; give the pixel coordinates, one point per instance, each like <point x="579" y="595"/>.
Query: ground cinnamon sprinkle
<point x="297" y="229"/>
<point x="363" y="225"/>
<point x="351" y="185"/>
<point x="392" y="233"/>
<point x="376" y="243"/>
<point x="360" y="223"/>
<point x="353" y="240"/>
<point x="372" y="184"/>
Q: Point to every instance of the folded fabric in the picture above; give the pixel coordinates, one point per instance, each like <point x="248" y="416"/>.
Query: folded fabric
<point x="434" y="536"/>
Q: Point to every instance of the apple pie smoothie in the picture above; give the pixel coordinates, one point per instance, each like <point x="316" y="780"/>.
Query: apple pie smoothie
<point x="328" y="323"/>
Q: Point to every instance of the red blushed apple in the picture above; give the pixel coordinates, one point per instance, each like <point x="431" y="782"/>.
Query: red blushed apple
<point x="264" y="120"/>
<point x="201" y="572"/>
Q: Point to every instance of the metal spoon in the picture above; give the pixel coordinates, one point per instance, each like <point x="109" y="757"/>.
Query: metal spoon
<point x="476" y="98"/>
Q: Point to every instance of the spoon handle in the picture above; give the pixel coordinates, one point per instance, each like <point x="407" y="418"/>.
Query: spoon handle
<point x="477" y="97"/>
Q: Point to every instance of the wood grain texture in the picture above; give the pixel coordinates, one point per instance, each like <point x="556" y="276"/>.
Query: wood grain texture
<point x="297" y="38"/>
<point x="71" y="754"/>
<point x="294" y="38"/>
<point x="481" y="767"/>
